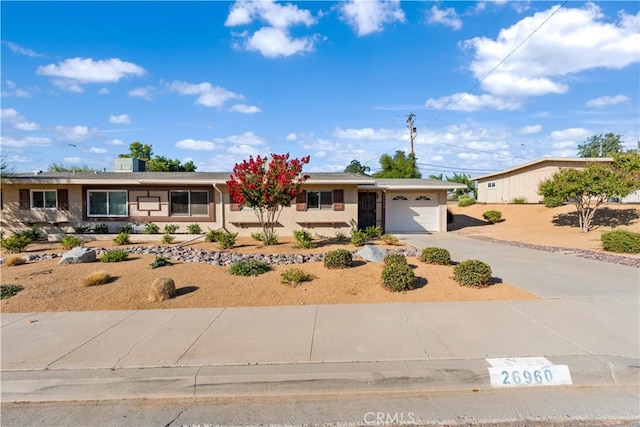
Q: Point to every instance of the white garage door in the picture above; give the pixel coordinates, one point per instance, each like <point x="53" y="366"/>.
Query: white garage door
<point x="411" y="213"/>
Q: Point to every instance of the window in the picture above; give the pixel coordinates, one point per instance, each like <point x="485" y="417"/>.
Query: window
<point x="422" y="198"/>
<point x="189" y="203"/>
<point x="319" y="199"/>
<point x="399" y="198"/>
<point x="491" y="184"/>
<point x="107" y="203"/>
<point x="44" y="199"/>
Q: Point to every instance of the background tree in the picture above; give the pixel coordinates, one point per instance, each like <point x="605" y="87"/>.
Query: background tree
<point x="465" y="179"/>
<point x="398" y="166"/>
<point x="588" y="188"/>
<point x="356" y="167"/>
<point x="436" y="177"/>
<point x="5" y="170"/>
<point x="137" y="150"/>
<point x="267" y="186"/>
<point x="600" y="146"/>
<point x="54" y="167"/>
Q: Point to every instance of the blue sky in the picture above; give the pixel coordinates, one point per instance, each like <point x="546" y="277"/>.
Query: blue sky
<point x="491" y="84"/>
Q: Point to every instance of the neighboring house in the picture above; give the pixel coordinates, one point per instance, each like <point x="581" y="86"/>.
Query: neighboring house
<point x="522" y="181"/>
<point x="329" y="202"/>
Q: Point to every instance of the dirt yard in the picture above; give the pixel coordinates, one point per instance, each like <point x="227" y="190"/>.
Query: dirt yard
<point x="52" y="287"/>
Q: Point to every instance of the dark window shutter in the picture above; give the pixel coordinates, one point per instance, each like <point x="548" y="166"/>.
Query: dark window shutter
<point x="25" y="203"/>
<point x="301" y="201"/>
<point x="63" y="200"/>
<point x="233" y="205"/>
<point x="338" y="200"/>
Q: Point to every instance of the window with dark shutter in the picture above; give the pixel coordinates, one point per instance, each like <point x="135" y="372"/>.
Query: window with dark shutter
<point x="25" y="202"/>
<point x="63" y="200"/>
<point x="301" y="201"/>
<point x="338" y="200"/>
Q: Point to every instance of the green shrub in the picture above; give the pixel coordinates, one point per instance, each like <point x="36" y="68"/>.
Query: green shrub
<point x="249" y="267"/>
<point x="553" y="202"/>
<point x="390" y="239"/>
<point x="114" y="255"/>
<point x="373" y="232"/>
<point x="160" y="261"/>
<point x="122" y="238"/>
<point x="33" y="234"/>
<point x="439" y="256"/>
<point x="171" y="228"/>
<point x="16" y="243"/>
<point x="295" y="276"/>
<point x="398" y="277"/>
<point x="125" y="229"/>
<point x="340" y="236"/>
<point x="493" y="216"/>
<point x="340" y="258"/>
<point x="304" y="239"/>
<point x="394" y="257"/>
<point x="7" y="291"/>
<point x="81" y="229"/>
<point x="70" y="242"/>
<point x="260" y="238"/>
<point x="194" y="229"/>
<point x="472" y="273"/>
<point x="622" y="241"/>
<point x="151" y="228"/>
<point x="101" y="229"/>
<point x="213" y="235"/>
<point x="465" y="201"/>
<point x="167" y="238"/>
<point x="227" y="240"/>
<point x="358" y="238"/>
<point x="519" y="200"/>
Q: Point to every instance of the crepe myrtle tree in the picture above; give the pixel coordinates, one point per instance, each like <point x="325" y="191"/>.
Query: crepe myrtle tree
<point x="588" y="188"/>
<point x="267" y="185"/>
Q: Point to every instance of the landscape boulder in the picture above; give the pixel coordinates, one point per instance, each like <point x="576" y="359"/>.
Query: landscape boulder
<point x="372" y="253"/>
<point x="78" y="255"/>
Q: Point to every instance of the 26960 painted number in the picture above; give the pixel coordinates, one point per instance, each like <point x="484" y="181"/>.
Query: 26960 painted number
<point x="517" y="377"/>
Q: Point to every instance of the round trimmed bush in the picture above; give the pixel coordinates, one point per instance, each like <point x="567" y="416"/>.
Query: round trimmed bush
<point x="340" y="258"/>
<point x="398" y="277"/>
<point x="472" y="273"/>
<point x="439" y="256"/>
<point x="70" y="242"/>
<point x="493" y="216"/>
<point x="394" y="257"/>
<point x="621" y="241"/>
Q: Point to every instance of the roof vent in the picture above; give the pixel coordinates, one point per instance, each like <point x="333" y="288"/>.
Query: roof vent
<point x="128" y="164"/>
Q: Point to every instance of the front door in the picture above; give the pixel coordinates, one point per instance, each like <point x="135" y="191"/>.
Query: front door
<point x="366" y="210"/>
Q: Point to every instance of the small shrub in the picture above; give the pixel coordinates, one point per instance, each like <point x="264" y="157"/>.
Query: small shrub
<point x="439" y="256"/>
<point x="101" y="229"/>
<point x="70" y="242"/>
<point x="304" y="239"/>
<point x="171" y="228"/>
<point x="450" y="216"/>
<point x="227" y="240"/>
<point x="212" y="235"/>
<point x="398" y="277"/>
<point x="258" y="236"/>
<point x="358" y="238"/>
<point x="390" y="239"/>
<point x="122" y="238"/>
<point x="465" y="201"/>
<point x="519" y="200"/>
<point x="194" y="229"/>
<point x="553" y="202"/>
<point x="472" y="273"/>
<point x="33" y="234"/>
<point x="340" y="258"/>
<point x="13" y="261"/>
<point x="373" y="232"/>
<point x="7" y="291"/>
<point x="125" y="229"/>
<point x="249" y="267"/>
<point x="160" y="261"/>
<point x="493" y="216"/>
<point x="340" y="236"/>
<point x="295" y="276"/>
<point x="97" y="278"/>
<point x="162" y="288"/>
<point x="393" y="258"/>
<point x="114" y="255"/>
<point x="167" y="238"/>
<point x="82" y="229"/>
<point x="16" y="243"/>
<point x="151" y="228"/>
<point x="621" y="241"/>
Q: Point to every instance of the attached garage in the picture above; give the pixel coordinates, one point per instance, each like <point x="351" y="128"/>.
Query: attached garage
<point x="412" y="212"/>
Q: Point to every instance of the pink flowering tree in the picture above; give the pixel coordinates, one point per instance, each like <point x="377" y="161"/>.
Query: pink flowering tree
<point x="267" y="186"/>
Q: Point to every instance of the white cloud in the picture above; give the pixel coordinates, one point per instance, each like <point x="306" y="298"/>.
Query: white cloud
<point x="98" y="150"/>
<point x="247" y="138"/>
<point x="142" y="92"/>
<point x="71" y="73"/>
<point x="75" y="133"/>
<point x="470" y="102"/>
<point x="572" y="134"/>
<point x="121" y="119"/>
<point x="208" y="95"/>
<point x="6" y="141"/>
<point x="21" y="50"/>
<point x="103" y="91"/>
<point x="369" y="16"/>
<point x="275" y="42"/>
<point x="72" y="160"/>
<point x="245" y="109"/>
<point x="368" y="134"/>
<point x="14" y="90"/>
<point x="448" y="17"/>
<point x="194" y="144"/>
<point x="11" y="117"/>
<point x="291" y="137"/>
<point x="116" y="142"/>
<point x="605" y="101"/>
<point x="244" y="150"/>
<point x="322" y="144"/>
<point x="531" y="129"/>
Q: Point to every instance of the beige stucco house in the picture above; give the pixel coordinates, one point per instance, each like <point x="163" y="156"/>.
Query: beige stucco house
<point x="523" y="181"/>
<point x="329" y="202"/>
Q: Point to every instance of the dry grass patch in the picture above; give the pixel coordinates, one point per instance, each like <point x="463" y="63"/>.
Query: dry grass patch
<point x="97" y="278"/>
<point x="162" y="288"/>
<point x="13" y="261"/>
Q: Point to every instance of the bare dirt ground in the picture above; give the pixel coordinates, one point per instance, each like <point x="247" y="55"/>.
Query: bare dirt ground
<point x="52" y="287"/>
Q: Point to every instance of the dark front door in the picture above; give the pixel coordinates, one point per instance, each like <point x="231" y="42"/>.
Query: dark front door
<point x="366" y="210"/>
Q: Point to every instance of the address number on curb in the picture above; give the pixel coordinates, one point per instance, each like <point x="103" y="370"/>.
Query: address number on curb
<point x="519" y="376"/>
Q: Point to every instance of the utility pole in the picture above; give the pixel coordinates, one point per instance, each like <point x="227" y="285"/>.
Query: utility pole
<point x="412" y="129"/>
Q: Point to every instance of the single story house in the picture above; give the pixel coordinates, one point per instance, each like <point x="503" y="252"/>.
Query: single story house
<point x="522" y="181"/>
<point x="56" y="202"/>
